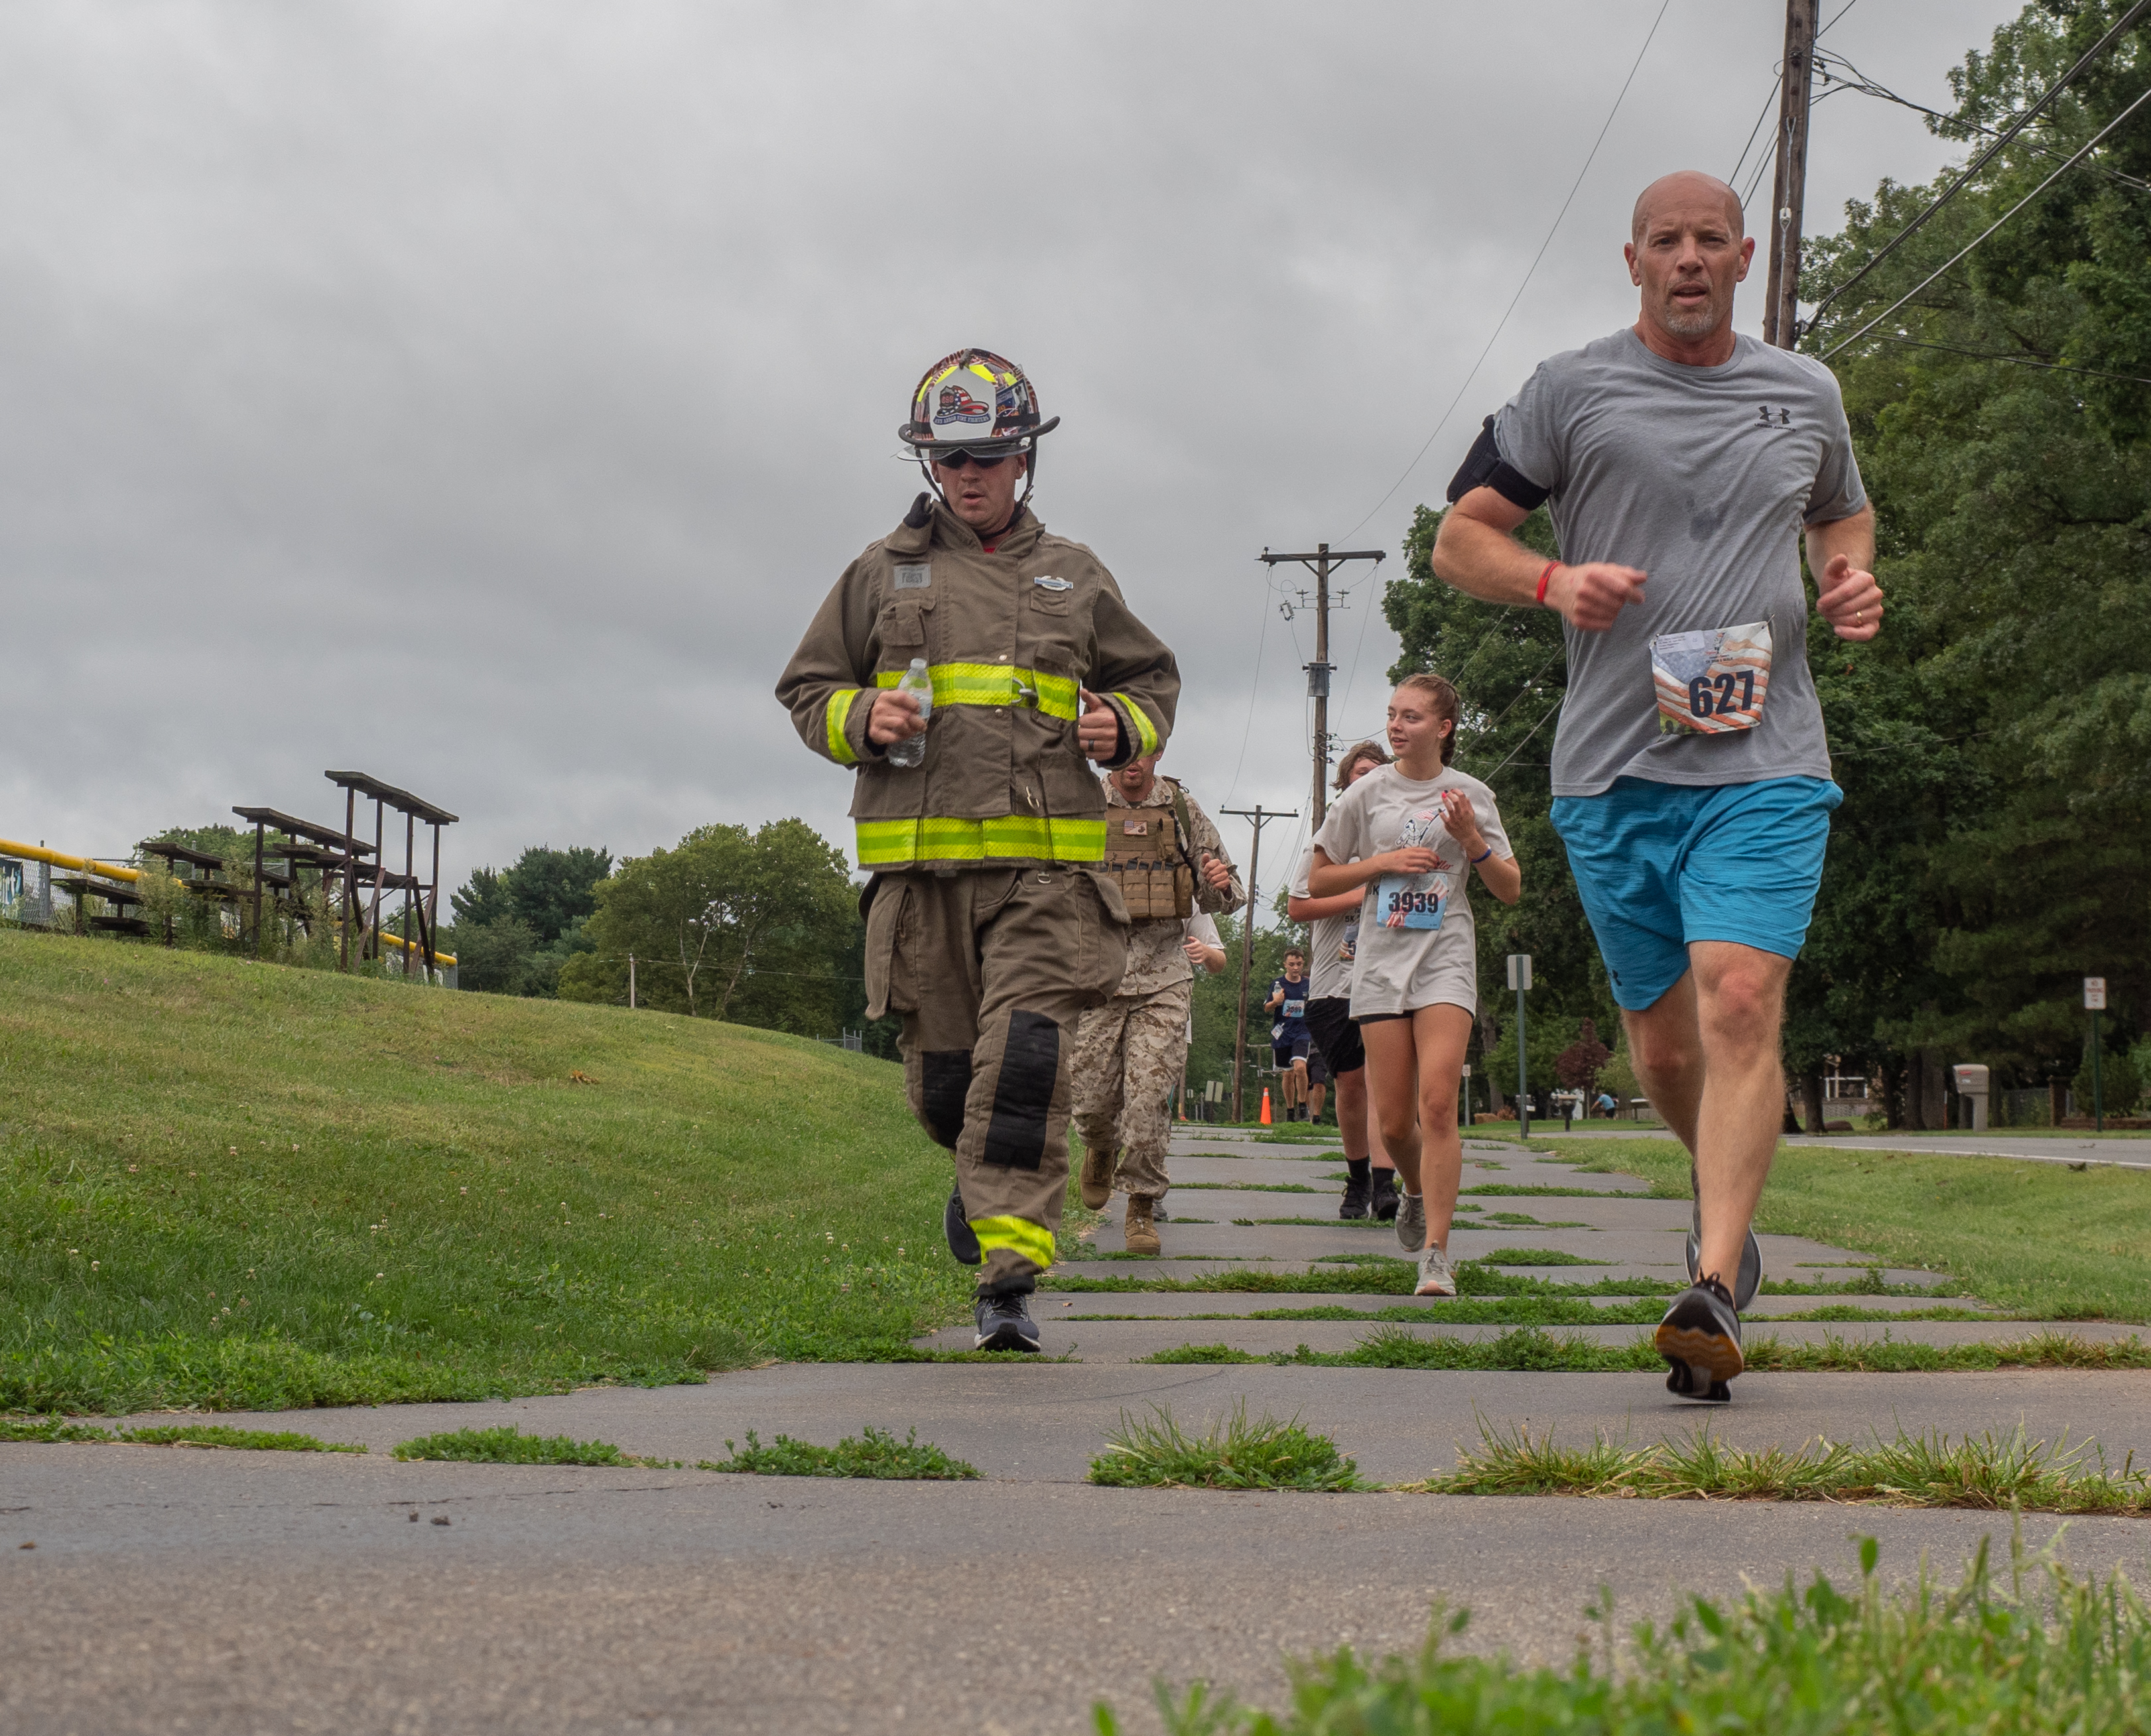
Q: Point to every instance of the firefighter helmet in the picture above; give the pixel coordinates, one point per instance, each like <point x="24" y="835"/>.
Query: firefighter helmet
<point x="975" y="399"/>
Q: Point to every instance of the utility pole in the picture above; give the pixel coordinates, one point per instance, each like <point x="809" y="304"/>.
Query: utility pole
<point x="1260" y="816"/>
<point x="1781" y="314"/>
<point x="1321" y="563"/>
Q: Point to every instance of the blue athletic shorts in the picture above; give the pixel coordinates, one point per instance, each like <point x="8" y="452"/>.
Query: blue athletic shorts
<point x="1660" y="865"/>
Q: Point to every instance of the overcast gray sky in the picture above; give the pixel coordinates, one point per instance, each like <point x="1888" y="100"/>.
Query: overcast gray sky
<point x="484" y="394"/>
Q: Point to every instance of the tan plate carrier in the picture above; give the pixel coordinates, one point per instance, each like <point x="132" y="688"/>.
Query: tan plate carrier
<point x="1145" y="851"/>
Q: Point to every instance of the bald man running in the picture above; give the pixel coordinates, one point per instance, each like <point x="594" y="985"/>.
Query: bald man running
<point x="1691" y="776"/>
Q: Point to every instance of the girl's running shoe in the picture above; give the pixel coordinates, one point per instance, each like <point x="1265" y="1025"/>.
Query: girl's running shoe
<point x="1437" y="1276"/>
<point x="1411" y="1222"/>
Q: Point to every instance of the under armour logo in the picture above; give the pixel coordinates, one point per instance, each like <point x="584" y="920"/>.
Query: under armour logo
<point x="1785" y="417"/>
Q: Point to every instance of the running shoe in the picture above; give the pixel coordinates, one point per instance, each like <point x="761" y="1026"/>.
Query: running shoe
<point x="1354" y="1203"/>
<point x="1437" y="1276"/>
<point x="963" y="1240"/>
<point x="1382" y="1197"/>
<point x="1411" y="1222"/>
<point x="1004" y="1323"/>
<point x="1700" y="1337"/>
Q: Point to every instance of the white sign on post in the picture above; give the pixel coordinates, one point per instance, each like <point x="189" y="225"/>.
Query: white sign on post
<point x="1519" y="970"/>
<point x="2094" y="994"/>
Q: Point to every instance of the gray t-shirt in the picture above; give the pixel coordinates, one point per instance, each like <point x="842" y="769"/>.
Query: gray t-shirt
<point x="1702" y="477"/>
<point x="1330" y="940"/>
<point x="1418" y="945"/>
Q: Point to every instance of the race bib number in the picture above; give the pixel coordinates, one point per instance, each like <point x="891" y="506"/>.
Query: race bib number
<point x="1347" y="949"/>
<point x="1411" y="900"/>
<point x="1712" y="682"/>
<point x="1295" y="1009"/>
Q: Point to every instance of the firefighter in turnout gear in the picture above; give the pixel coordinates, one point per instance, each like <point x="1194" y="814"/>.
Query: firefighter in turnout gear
<point x="991" y="924"/>
<point x="1171" y="863"/>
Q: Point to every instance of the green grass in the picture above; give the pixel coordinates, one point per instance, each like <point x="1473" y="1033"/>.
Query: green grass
<point x="1930" y="1470"/>
<point x="1155" y="1452"/>
<point x="2034" y="1649"/>
<point x="1382" y="1276"/>
<point x="873" y="1453"/>
<point x="1530" y="1347"/>
<point x="193" y="1433"/>
<point x="2037" y="1238"/>
<point x="1249" y="1187"/>
<point x="510" y="1446"/>
<point x="1535" y="1256"/>
<point x="228" y="1185"/>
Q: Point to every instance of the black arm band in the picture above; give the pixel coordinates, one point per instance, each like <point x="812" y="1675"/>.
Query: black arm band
<point x="1485" y="467"/>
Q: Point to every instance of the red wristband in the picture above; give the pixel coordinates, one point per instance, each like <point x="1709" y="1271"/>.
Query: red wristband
<point x="1543" y="578"/>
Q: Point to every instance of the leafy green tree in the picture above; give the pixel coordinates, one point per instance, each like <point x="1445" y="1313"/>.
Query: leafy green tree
<point x="515" y="927"/>
<point x="752" y="927"/>
<point x="1994" y="847"/>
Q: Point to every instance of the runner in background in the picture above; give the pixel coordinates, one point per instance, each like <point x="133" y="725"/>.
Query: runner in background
<point x="1410" y="833"/>
<point x="1289" y="1040"/>
<point x="1371" y="1184"/>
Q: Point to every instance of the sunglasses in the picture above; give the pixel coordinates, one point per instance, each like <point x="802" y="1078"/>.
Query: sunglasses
<point x="958" y="456"/>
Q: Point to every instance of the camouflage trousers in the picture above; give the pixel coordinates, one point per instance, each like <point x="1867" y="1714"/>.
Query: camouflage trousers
<point x="1129" y="1054"/>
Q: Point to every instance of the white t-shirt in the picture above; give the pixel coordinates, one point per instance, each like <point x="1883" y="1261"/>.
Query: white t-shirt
<point x="1330" y="939"/>
<point x="1418" y="945"/>
<point x="1200" y="926"/>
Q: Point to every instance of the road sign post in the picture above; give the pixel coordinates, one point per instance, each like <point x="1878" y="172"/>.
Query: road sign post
<point x="2095" y="1001"/>
<point x="1519" y="979"/>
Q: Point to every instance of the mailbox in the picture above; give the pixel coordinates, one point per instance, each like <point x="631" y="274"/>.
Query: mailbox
<point x="1971" y="1086"/>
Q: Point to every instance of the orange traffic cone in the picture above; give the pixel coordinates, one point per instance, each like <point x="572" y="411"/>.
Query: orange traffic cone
<point x="1266" y="1106"/>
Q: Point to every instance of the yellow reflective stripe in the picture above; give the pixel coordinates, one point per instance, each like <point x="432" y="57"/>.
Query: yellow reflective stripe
<point x="840" y="708"/>
<point x="995" y="684"/>
<point x="891" y="843"/>
<point x="1029" y="1241"/>
<point x="1146" y="735"/>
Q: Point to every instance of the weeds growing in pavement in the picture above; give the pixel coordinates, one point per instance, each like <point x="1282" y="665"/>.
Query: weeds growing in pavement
<point x="1249" y="1187"/>
<point x="196" y="1433"/>
<point x="509" y="1445"/>
<point x="1155" y="1452"/>
<point x="872" y="1453"/>
<point x="1527" y="1347"/>
<point x="1930" y="1470"/>
<point x="2035" y="1649"/>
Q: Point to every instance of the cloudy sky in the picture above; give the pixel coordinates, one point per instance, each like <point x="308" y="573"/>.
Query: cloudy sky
<point x="484" y="394"/>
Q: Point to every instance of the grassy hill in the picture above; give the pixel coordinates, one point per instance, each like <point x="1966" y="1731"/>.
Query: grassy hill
<point x="230" y="1184"/>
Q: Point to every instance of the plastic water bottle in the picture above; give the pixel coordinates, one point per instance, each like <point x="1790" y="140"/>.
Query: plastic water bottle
<point x="919" y="685"/>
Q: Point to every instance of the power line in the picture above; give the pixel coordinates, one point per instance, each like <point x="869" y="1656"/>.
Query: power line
<point x="1980" y="162"/>
<point x="2144" y="97"/>
<point x="1502" y="323"/>
<point x="1254" y="692"/>
<point x="1867" y="87"/>
<point x="2021" y="361"/>
<point x="1762" y="115"/>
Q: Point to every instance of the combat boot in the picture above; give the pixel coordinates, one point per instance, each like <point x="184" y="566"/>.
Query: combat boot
<point x="1097" y="1184"/>
<point x="1137" y="1230"/>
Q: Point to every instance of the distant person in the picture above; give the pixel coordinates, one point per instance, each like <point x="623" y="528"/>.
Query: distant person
<point x="1607" y="1106"/>
<point x="988" y="929"/>
<point x="1370" y="1185"/>
<point x="1130" y="1052"/>
<point x="1289" y="1036"/>
<point x="1410" y="833"/>
<point x="1691" y="776"/>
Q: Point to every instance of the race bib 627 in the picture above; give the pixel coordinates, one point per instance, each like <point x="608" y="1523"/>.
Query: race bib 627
<point x="1713" y="681"/>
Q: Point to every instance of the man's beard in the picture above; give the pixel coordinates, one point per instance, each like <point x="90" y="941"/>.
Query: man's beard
<point x="1701" y="323"/>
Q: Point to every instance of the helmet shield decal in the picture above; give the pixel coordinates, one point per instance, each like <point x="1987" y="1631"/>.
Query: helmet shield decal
<point x="973" y="398"/>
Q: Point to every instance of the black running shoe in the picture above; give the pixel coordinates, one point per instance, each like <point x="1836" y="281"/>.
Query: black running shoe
<point x="1700" y="1337"/>
<point x="1004" y="1323"/>
<point x="963" y="1240"/>
<point x="1382" y="1200"/>
<point x="1354" y="1203"/>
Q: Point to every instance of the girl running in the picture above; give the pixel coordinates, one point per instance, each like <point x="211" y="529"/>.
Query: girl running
<point x="1410" y="833"/>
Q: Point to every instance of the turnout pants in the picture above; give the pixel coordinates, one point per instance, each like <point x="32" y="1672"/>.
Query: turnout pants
<point x="1128" y="1057"/>
<point x="990" y="969"/>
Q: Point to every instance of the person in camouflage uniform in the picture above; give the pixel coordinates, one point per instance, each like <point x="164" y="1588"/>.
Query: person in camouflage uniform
<point x="1129" y="1052"/>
